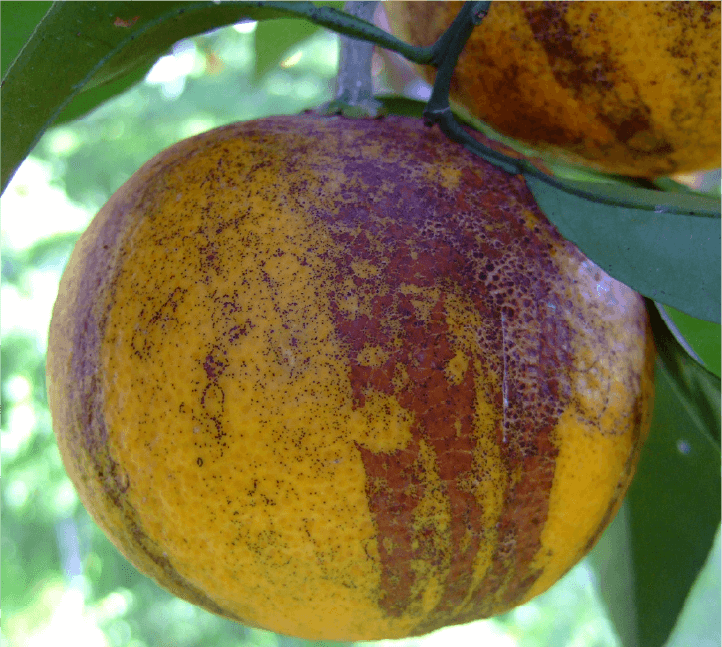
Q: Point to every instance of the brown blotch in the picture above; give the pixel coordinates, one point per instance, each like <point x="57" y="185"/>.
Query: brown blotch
<point x="421" y="233"/>
<point x="571" y="68"/>
<point x="586" y="76"/>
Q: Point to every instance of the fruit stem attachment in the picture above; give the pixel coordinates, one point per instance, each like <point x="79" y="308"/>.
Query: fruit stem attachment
<point x="354" y="86"/>
<point x="445" y="55"/>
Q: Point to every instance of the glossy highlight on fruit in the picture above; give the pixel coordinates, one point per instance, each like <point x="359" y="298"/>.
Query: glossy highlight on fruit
<point x="630" y="88"/>
<point x="341" y="379"/>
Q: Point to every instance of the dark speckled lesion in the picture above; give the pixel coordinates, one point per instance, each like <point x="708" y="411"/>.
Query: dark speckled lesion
<point x="475" y="241"/>
<point x="163" y="317"/>
<point x="92" y="296"/>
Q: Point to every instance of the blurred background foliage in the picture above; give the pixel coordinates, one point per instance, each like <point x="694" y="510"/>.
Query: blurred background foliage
<point x="62" y="580"/>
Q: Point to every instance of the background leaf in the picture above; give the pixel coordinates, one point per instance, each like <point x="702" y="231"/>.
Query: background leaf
<point x="278" y="37"/>
<point x="674" y="513"/>
<point x="653" y="552"/>
<point x="611" y="559"/>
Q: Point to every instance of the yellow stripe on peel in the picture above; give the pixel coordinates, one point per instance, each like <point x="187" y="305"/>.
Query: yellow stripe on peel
<point x="589" y="469"/>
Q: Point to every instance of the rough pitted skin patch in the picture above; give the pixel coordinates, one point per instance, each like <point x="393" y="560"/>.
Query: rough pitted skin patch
<point x="454" y="252"/>
<point x="342" y="380"/>
<point x="624" y="87"/>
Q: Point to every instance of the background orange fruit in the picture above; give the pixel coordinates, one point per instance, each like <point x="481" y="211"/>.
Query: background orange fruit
<point x="631" y="88"/>
<point x="342" y="379"/>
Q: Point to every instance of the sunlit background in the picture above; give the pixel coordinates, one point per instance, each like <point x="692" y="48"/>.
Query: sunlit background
<point x="62" y="580"/>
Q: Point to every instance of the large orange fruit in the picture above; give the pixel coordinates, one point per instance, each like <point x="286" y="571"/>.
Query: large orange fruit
<point x="623" y="87"/>
<point x="342" y="379"/>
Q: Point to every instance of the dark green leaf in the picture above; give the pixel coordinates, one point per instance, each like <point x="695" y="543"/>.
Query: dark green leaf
<point x="19" y="20"/>
<point x="673" y="505"/>
<point x="702" y="336"/>
<point x="664" y="245"/>
<point x="88" y="100"/>
<point x="97" y="43"/>
<point x="396" y="105"/>
<point x="696" y="389"/>
<point x="674" y="511"/>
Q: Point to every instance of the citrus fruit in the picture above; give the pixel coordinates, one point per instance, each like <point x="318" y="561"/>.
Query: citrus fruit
<point x="342" y="380"/>
<point x="631" y="88"/>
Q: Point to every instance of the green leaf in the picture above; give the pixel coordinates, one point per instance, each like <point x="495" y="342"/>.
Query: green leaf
<point x="103" y="42"/>
<point x="696" y="388"/>
<point x="397" y="105"/>
<point x="19" y="20"/>
<point x="88" y="100"/>
<point x="97" y="43"/>
<point x="702" y="336"/>
<point x="664" y="245"/>
<point x="701" y="620"/>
